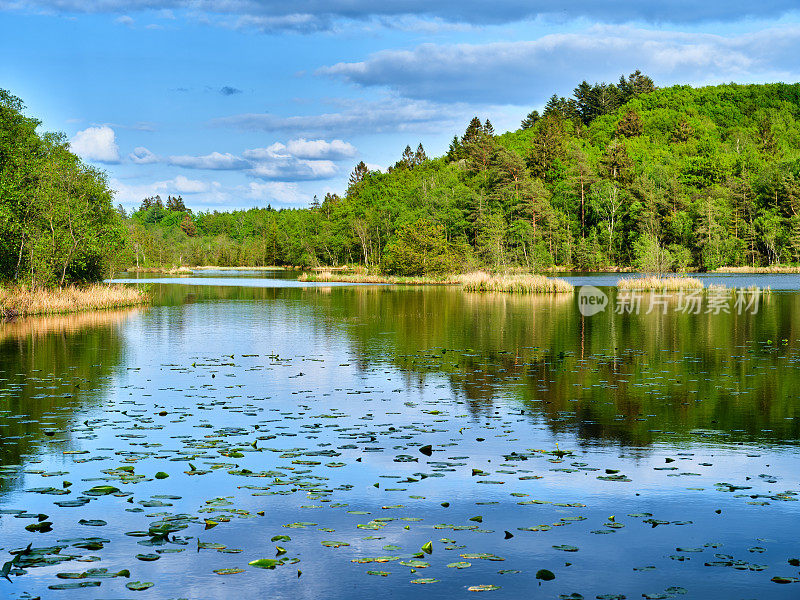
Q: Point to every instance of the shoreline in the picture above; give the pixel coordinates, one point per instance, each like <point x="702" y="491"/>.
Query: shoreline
<point x="21" y="301"/>
<point x="341" y="277"/>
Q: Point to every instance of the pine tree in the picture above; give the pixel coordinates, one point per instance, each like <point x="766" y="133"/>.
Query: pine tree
<point x="455" y="151"/>
<point x="566" y="108"/>
<point x="547" y="148"/>
<point x="474" y="129"/>
<point x="488" y="129"/>
<point x="407" y="160"/>
<point x="420" y="156"/>
<point x="359" y="172"/>
<point x="635" y="85"/>
<point x="583" y="99"/>
<point x="531" y="120"/>
<point x="175" y="203"/>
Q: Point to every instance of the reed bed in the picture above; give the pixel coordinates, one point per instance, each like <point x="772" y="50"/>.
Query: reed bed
<point x="770" y="269"/>
<point x="330" y="276"/>
<point x="660" y="283"/>
<point x="23" y="301"/>
<point x="515" y="284"/>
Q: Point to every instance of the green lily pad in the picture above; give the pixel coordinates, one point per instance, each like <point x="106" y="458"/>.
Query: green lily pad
<point x="265" y="563"/>
<point x="545" y="575"/>
<point x="138" y="586"/>
<point x="484" y="587"/>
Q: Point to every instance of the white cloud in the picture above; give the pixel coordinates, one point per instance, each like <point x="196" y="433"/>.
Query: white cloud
<point x="308" y="16"/>
<point x="96" y="144"/>
<point x="131" y="194"/>
<point x="276" y="163"/>
<point x="526" y="72"/>
<point x="213" y="161"/>
<point x="142" y="156"/>
<point x="124" y="20"/>
<point x="320" y="149"/>
<point x="297" y="160"/>
<point x="184" y="185"/>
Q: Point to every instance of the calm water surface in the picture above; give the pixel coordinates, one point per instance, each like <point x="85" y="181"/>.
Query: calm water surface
<point x="628" y="454"/>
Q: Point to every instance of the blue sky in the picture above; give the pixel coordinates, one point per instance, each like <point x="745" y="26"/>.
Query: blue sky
<point x="241" y="103"/>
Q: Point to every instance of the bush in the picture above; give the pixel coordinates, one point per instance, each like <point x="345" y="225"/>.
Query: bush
<point x="650" y="256"/>
<point x="420" y="248"/>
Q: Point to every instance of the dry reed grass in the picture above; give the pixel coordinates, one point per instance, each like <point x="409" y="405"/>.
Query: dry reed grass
<point x="22" y="301"/>
<point x="770" y="269"/>
<point x="517" y="284"/>
<point x="660" y="283"/>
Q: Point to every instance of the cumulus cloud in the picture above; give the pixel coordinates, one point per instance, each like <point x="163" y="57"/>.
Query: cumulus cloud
<point x="184" y="185"/>
<point x="307" y="16"/>
<point x="213" y="161"/>
<point x="516" y="70"/>
<point x="142" y="156"/>
<point x="131" y="194"/>
<point x="320" y="149"/>
<point x="275" y="163"/>
<point x="297" y="160"/>
<point x="97" y="144"/>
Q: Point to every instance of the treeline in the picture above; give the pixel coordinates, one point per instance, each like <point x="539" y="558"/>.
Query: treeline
<point x="618" y="174"/>
<point x="57" y="221"/>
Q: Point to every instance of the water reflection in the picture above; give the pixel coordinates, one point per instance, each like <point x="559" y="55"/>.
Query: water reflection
<point x="51" y="367"/>
<point x="627" y="378"/>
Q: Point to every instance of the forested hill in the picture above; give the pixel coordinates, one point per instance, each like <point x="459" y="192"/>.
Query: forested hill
<point x="618" y="174"/>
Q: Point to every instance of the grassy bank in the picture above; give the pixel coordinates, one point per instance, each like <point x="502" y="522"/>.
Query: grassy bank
<point x="517" y="284"/>
<point x="23" y="301"/>
<point x="660" y="283"/>
<point x="330" y="276"/>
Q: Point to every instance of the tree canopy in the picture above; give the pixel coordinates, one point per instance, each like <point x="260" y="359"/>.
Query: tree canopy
<point x="57" y="221"/>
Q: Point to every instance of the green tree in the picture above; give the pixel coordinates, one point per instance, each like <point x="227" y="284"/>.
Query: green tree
<point x="420" y="248"/>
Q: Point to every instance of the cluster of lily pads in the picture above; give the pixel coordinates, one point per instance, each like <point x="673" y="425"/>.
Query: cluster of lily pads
<point x="209" y="465"/>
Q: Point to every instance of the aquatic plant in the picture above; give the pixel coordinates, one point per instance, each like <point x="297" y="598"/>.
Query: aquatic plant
<point x="660" y="283"/>
<point x="519" y="284"/>
<point x="22" y="300"/>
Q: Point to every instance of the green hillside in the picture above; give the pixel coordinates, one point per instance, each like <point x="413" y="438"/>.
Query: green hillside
<point x="618" y="174"/>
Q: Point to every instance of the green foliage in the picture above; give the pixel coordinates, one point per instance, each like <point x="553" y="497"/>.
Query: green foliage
<point x="619" y="174"/>
<point x="650" y="256"/>
<point x="419" y="248"/>
<point x="57" y="221"/>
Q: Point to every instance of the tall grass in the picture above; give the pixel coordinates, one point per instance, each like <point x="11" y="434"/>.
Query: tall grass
<point x="517" y="284"/>
<point x="660" y="283"/>
<point x="22" y="301"/>
<point x="770" y="269"/>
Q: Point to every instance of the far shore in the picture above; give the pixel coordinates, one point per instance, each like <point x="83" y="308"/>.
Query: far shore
<point x="360" y="270"/>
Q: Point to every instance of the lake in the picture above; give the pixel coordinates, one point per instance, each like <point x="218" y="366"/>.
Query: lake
<point x="355" y="441"/>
